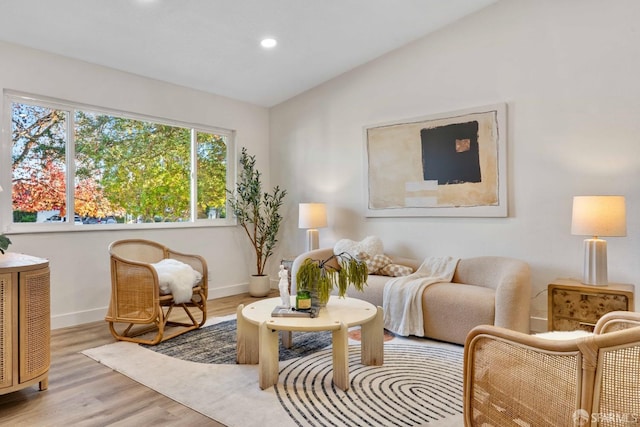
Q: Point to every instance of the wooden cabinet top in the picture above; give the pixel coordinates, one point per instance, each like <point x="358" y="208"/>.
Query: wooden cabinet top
<point x="572" y="284"/>
<point x="11" y="261"/>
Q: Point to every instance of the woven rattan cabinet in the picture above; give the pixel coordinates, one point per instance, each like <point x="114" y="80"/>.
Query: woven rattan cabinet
<point x="25" y="326"/>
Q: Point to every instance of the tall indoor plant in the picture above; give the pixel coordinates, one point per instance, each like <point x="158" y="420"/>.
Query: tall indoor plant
<point x="321" y="276"/>
<point x="258" y="214"/>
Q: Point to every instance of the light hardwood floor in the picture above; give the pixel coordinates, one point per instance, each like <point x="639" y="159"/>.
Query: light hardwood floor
<point x="83" y="392"/>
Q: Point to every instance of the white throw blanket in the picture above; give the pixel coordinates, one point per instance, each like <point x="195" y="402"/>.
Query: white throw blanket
<point x="402" y="297"/>
<point x="176" y="278"/>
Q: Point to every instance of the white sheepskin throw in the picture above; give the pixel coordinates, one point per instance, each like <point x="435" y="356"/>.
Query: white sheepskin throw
<point x="177" y="278"/>
<point x="370" y="245"/>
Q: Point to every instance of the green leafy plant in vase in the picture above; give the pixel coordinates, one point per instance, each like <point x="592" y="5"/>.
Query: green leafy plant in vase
<point x="258" y="214"/>
<point x="320" y="277"/>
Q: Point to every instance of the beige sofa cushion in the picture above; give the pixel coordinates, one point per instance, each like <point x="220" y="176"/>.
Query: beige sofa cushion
<point x="451" y="310"/>
<point x="373" y="291"/>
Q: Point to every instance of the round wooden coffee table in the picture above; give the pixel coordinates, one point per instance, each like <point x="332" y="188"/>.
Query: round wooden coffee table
<point x="258" y="337"/>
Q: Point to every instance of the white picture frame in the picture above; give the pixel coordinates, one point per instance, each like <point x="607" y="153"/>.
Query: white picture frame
<point x="444" y="165"/>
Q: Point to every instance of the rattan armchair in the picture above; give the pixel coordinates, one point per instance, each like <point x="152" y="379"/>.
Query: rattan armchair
<point x="138" y="312"/>
<point x="514" y="379"/>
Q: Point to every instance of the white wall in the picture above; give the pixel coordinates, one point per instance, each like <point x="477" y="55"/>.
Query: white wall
<point x="569" y="73"/>
<point x="567" y="69"/>
<point x="80" y="283"/>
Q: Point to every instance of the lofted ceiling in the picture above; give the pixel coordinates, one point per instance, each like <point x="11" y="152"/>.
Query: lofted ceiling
<point x="214" y="45"/>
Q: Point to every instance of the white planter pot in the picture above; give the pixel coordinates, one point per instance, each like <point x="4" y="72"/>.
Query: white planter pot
<point x="259" y="286"/>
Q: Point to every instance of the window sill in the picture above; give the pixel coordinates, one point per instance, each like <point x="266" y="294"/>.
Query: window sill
<point x="65" y="228"/>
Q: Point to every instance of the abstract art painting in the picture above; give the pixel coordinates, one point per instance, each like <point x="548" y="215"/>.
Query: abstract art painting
<point x="450" y="164"/>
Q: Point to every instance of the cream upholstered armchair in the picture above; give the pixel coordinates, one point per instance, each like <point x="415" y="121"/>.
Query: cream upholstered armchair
<point x="138" y="307"/>
<point x="512" y="378"/>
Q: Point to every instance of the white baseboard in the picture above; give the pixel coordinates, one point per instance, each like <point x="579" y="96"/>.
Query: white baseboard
<point x="78" y="318"/>
<point x="538" y="324"/>
<point x="97" y="314"/>
<point x="227" y="291"/>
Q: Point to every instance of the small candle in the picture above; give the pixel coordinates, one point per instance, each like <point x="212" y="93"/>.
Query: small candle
<point x="303" y="300"/>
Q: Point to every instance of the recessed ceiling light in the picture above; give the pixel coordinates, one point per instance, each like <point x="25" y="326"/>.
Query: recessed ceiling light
<point x="268" y="43"/>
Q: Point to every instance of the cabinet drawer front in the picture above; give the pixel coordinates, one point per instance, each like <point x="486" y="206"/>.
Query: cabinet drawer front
<point x="586" y="307"/>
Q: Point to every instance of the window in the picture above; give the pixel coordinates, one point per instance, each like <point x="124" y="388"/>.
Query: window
<point x="113" y="168"/>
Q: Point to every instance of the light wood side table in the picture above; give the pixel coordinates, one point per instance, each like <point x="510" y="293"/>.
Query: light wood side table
<point x="573" y="305"/>
<point x="25" y="322"/>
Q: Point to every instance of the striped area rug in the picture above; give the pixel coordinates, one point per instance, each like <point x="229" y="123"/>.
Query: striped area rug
<point x="417" y="385"/>
<point x="420" y="383"/>
<point x="217" y="344"/>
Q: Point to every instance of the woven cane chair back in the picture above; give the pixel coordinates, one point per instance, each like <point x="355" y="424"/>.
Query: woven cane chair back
<point x="616" y="391"/>
<point x="512" y="378"/>
<point x="506" y="383"/>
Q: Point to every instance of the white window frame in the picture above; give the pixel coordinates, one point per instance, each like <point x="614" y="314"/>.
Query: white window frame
<point x="6" y="210"/>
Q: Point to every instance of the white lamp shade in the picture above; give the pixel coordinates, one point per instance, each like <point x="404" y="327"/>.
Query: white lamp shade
<point x="312" y="215"/>
<point x="599" y="216"/>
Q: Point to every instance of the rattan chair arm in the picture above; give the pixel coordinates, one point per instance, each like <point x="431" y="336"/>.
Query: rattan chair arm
<point x="141" y="281"/>
<point x="617" y="320"/>
<point x="520" y="339"/>
<point x="629" y="337"/>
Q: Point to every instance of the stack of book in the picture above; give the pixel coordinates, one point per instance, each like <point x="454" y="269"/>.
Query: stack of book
<point x="281" y="311"/>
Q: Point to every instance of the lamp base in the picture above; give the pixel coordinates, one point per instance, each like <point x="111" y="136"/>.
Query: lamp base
<point x="595" y="262"/>
<point x="312" y="239"/>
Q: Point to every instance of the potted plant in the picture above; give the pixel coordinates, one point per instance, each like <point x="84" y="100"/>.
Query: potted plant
<point x="4" y="243"/>
<point x="258" y="214"/>
<point x="320" y="277"/>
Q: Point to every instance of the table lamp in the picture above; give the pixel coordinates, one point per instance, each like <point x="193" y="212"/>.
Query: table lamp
<point x="597" y="216"/>
<point x="312" y="216"/>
